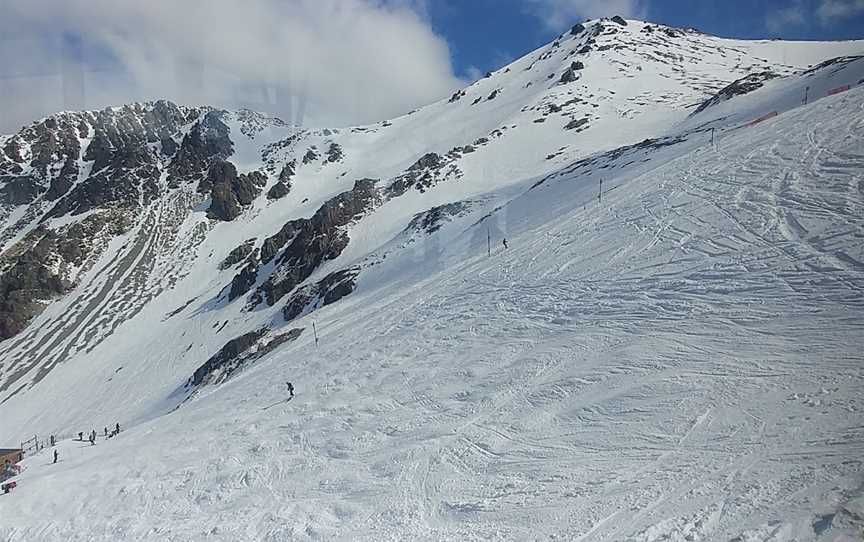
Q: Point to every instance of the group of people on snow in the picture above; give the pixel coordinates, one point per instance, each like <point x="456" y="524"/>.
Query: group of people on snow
<point x="92" y="435"/>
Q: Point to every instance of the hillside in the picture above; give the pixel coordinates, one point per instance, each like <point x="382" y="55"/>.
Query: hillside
<point x="679" y="359"/>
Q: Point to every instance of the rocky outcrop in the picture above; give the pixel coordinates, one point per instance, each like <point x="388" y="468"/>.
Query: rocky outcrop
<point x="419" y="175"/>
<point x="278" y="191"/>
<point x="571" y="74"/>
<point x="237" y="354"/>
<point x="238" y="254"/>
<point x="334" y="153"/>
<point x="39" y="268"/>
<point x="430" y="221"/>
<point x="329" y="290"/>
<point x="207" y="142"/>
<point x="309" y="242"/>
<point x="577" y="29"/>
<point x="283" y="187"/>
<point x="577" y="124"/>
<point x="742" y="86"/>
<point x="310" y="156"/>
<point x="619" y="20"/>
<point x="229" y="191"/>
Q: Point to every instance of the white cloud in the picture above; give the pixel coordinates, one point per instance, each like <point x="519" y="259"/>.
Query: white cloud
<point x="332" y="62"/>
<point x="781" y="19"/>
<point x="560" y="14"/>
<point x="830" y="10"/>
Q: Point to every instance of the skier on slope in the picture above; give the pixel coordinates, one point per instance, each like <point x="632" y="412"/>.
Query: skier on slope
<point x="290" y="389"/>
<point x="55" y="456"/>
<point x="505" y="242"/>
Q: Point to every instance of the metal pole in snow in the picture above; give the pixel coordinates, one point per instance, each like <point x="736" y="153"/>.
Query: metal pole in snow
<point x="600" y="194"/>
<point x="315" y="333"/>
<point x="489" y="241"/>
<point x="806" y="95"/>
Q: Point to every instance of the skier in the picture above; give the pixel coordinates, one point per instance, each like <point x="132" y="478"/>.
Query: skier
<point x="290" y="388"/>
<point x="53" y="442"/>
<point x="505" y="242"/>
<point x="117" y="428"/>
<point x="81" y="436"/>
<point x="55" y="456"/>
<point x="106" y="432"/>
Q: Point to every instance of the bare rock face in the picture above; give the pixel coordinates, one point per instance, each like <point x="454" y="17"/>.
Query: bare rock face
<point x="317" y="239"/>
<point x="32" y="272"/>
<point x="283" y="187"/>
<point x="571" y="74"/>
<point x="238" y="254"/>
<point x="329" y="290"/>
<point x="229" y="191"/>
<point x="742" y="86"/>
<point x="302" y="245"/>
<point x="237" y="354"/>
<point x="207" y="142"/>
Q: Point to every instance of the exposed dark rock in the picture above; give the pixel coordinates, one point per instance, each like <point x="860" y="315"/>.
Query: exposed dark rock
<point x="458" y="95"/>
<point x="238" y="254"/>
<point x="223" y="359"/>
<point x="310" y="156"/>
<point x="224" y="204"/>
<point x="229" y="191"/>
<point x="313" y="241"/>
<point x="576" y="124"/>
<point x="493" y="94"/>
<point x="334" y="153"/>
<point x="208" y="141"/>
<point x="570" y="75"/>
<point x="243" y="281"/>
<point x="19" y="190"/>
<point x="740" y="87"/>
<point x="33" y="270"/>
<point x="329" y="290"/>
<point x="420" y="175"/>
<point x="431" y="221"/>
<point x="238" y="354"/>
<point x="278" y="191"/>
<point x="577" y="29"/>
<point x="620" y="20"/>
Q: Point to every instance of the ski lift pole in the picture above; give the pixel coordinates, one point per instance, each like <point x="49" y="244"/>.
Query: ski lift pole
<point x="315" y="334"/>
<point x="600" y="194"/>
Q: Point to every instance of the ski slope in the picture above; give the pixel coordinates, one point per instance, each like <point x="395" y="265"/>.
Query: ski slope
<point x="679" y="361"/>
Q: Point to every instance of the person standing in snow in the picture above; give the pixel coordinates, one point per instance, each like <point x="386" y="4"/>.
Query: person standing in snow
<point x="505" y="242"/>
<point x="290" y="389"/>
<point x="81" y="436"/>
<point x="106" y="431"/>
<point x="53" y="442"/>
<point x="117" y="428"/>
<point x="55" y="456"/>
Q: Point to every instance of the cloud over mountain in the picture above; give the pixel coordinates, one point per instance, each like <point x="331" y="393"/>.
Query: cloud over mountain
<point x="319" y="61"/>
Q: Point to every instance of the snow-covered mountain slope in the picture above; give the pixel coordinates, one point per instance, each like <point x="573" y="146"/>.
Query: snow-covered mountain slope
<point x="681" y="358"/>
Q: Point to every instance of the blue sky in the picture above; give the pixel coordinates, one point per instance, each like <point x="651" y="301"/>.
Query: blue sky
<point x="485" y="34"/>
